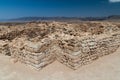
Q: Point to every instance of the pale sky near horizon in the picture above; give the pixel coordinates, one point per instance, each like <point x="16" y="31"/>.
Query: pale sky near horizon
<point x="69" y="8"/>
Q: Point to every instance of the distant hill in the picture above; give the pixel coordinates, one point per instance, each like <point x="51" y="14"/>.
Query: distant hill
<point x="114" y="17"/>
<point x="25" y="19"/>
<point x="44" y="18"/>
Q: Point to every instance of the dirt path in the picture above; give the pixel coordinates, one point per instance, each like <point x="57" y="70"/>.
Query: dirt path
<point x="105" y="68"/>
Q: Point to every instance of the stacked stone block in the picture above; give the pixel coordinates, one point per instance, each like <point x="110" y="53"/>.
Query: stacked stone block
<point x="75" y="53"/>
<point x="36" y="54"/>
<point x="80" y="52"/>
<point x="4" y="47"/>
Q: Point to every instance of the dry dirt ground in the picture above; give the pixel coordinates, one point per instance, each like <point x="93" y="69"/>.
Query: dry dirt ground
<point x="105" y="68"/>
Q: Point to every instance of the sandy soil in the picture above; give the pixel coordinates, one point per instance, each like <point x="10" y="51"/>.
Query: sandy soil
<point x="105" y="68"/>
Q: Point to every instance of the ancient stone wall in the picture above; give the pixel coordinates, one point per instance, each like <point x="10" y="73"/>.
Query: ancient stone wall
<point x="70" y="44"/>
<point x="75" y="53"/>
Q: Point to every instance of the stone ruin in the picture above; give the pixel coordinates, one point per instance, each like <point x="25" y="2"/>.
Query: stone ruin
<point x="73" y="45"/>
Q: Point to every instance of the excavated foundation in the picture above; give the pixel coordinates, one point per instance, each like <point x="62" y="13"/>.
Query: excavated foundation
<point x="75" y="45"/>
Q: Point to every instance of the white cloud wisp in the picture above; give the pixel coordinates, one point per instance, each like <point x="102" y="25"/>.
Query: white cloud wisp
<point x="114" y="1"/>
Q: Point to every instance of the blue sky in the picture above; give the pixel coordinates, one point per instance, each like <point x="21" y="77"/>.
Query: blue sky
<point x="22" y="8"/>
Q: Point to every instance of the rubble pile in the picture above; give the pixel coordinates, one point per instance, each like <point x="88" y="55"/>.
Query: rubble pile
<point x="74" y="45"/>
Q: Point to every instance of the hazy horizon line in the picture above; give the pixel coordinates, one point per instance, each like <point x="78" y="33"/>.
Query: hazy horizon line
<point x="57" y="16"/>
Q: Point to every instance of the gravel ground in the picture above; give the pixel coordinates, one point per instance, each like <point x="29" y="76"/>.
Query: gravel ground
<point x="105" y="68"/>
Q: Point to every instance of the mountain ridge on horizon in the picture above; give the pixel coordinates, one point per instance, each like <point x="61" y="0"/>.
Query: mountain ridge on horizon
<point x="111" y="17"/>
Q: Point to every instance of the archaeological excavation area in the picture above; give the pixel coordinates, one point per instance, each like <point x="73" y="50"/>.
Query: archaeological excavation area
<point x="38" y="44"/>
